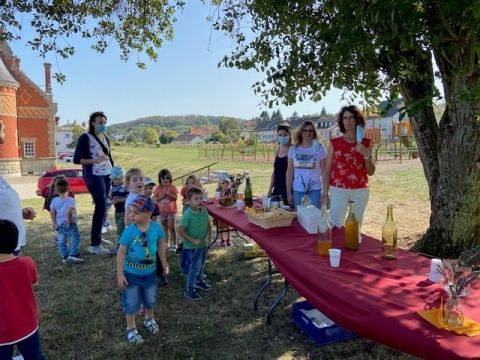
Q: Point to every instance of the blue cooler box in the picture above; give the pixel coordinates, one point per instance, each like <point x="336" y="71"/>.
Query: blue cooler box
<point x="317" y="326"/>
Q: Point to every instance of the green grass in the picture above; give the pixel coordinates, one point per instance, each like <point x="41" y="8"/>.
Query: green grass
<point x="80" y="307"/>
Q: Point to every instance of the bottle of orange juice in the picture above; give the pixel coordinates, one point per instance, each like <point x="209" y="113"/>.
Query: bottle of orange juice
<point x="324" y="241"/>
<point x="351" y="228"/>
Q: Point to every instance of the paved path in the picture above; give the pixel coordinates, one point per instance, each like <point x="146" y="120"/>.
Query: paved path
<point x="26" y="186"/>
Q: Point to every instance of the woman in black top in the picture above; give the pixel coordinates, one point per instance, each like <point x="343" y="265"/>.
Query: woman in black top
<point x="93" y="152"/>
<point x="278" y="182"/>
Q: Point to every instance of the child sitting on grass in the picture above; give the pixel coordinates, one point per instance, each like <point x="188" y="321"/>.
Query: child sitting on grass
<point x="196" y="231"/>
<point x="18" y="309"/>
<point x="136" y="264"/>
<point x="64" y="219"/>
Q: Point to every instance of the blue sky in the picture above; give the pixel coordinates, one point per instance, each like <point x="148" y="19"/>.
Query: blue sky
<point x="184" y="80"/>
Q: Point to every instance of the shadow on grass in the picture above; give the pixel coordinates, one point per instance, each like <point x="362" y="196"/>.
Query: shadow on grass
<point x="81" y="316"/>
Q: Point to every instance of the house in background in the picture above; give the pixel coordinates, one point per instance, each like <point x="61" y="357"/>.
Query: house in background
<point x="188" y="139"/>
<point x="64" y="135"/>
<point x="267" y="131"/>
<point x="389" y="126"/>
<point x="28" y="114"/>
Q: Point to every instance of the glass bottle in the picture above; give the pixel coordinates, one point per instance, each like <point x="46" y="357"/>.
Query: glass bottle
<point x="248" y="193"/>
<point x="351" y="228"/>
<point x="389" y="236"/>
<point x="324" y="242"/>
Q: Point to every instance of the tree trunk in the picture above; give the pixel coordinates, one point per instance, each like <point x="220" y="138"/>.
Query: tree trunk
<point x="448" y="152"/>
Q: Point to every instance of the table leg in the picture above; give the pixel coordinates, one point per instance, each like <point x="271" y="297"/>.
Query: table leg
<point x="214" y="240"/>
<point x="264" y="286"/>
<point x="277" y="301"/>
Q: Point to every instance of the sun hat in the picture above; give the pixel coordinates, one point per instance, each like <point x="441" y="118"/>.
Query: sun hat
<point x="147" y="180"/>
<point x="143" y="203"/>
<point x="117" y="172"/>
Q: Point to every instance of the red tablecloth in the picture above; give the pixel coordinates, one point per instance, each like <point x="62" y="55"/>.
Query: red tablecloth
<point x="371" y="296"/>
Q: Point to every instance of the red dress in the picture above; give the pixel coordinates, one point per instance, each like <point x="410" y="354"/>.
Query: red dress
<point x="348" y="165"/>
<point x="167" y="205"/>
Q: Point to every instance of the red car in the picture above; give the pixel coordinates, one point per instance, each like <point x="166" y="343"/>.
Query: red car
<point x="74" y="178"/>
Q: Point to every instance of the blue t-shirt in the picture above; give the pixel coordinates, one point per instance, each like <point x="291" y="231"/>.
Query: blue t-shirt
<point x="140" y="258"/>
<point x="61" y="206"/>
<point x="119" y="191"/>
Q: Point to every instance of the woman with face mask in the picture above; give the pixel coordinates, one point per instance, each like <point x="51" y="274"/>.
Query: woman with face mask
<point x="93" y="153"/>
<point x="278" y="182"/>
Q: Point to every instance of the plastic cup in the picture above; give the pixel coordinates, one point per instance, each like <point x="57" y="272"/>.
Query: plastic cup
<point x="240" y="204"/>
<point x="335" y="255"/>
<point x="435" y="270"/>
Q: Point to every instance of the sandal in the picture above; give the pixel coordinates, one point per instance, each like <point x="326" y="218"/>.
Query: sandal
<point x="133" y="337"/>
<point x="151" y="325"/>
<point x="223" y="243"/>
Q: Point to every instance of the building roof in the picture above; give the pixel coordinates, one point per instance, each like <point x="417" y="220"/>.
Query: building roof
<point x="393" y="110"/>
<point x="185" y="137"/>
<point x="5" y="77"/>
<point x="267" y="126"/>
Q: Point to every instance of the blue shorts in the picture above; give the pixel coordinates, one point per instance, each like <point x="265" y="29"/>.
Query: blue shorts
<point x="141" y="289"/>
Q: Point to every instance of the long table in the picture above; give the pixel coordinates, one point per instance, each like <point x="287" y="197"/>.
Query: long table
<point x="374" y="297"/>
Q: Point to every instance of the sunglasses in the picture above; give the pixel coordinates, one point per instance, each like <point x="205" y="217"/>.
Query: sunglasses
<point x="283" y="127"/>
<point x="307" y="131"/>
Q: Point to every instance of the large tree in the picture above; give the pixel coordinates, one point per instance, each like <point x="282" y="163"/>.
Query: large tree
<point x="375" y="48"/>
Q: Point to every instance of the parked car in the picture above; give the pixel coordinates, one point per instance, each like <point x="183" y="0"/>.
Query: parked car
<point x="63" y="155"/>
<point x="74" y="178"/>
<point x="68" y="159"/>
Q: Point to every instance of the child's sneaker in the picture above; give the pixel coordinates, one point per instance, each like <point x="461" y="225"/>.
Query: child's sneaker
<point x="98" y="250"/>
<point x="192" y="295"/>
<point x="133" y="337"/>
<point x="223" y="243"/>
<point x="74" y="260"/>
<point x="229" y="243"/>
<point x="151" y="325"/>
<point x="203" y="285"/>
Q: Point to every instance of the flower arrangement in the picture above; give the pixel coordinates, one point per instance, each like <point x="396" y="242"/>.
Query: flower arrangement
<point x="308" y="188"/>
<point x="237" y="180"/>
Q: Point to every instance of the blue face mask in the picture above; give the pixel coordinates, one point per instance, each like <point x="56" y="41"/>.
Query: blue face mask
<point x="101" y="128"/>
<point x="282" y="139"/>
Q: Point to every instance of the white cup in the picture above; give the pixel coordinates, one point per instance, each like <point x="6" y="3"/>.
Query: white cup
<point x="217" y="195"/>
<point x="240" y="204"/>
<point x="436" y="267"/>
<point x="335" y="255"/>
<point x="266" y="201"/>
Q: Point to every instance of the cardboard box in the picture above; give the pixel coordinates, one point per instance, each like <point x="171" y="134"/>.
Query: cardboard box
<point x="309" y="218"/>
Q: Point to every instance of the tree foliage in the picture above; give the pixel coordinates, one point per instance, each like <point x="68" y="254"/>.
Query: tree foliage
<point x="135" y="25"/>
<point x="77" y="130"/>
<point x="150" y="135"/>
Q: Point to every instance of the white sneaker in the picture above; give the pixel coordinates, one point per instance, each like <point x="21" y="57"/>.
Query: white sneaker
<point x="75" y="260"/>
<point x="104" y="229"/>
<point x="107" y="242"/>
<point x="98" y="250"/>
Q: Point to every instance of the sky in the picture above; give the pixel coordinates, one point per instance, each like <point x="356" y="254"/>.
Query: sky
<point x="184" y="80"/>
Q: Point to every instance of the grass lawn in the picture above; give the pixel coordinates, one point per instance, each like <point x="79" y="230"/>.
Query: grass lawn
<point x="80" y="306"/>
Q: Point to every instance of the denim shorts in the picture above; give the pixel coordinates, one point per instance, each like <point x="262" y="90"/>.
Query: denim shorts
<point x="141" y="289"/>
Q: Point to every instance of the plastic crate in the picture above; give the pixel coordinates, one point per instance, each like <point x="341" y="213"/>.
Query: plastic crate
<point x="322" y="332"/>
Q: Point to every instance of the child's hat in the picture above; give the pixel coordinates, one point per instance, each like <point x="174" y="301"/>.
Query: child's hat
<point x="143" y="203"/>
<point x="147" y="180"/>
<point x="117" y="172"/>
<point x="224" y="178"/>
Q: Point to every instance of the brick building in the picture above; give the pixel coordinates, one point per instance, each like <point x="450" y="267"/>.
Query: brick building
<point x="28" y="115"/>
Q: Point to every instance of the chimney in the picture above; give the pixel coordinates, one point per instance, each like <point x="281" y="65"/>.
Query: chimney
<point x="48" y="83"/>
<point x="57" y="120"/>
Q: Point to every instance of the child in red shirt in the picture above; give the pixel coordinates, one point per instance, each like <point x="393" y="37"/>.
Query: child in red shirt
<point x="18" y="309"/>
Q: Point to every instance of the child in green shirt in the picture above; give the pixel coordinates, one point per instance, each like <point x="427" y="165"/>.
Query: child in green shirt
<point x="196" y="230"/>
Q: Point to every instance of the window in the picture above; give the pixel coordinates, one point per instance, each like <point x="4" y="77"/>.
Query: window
<point x="29" y="149"/>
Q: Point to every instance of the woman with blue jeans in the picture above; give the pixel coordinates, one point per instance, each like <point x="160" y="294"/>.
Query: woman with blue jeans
<point x="93" y="153"/>
<point x="306" y="166"/>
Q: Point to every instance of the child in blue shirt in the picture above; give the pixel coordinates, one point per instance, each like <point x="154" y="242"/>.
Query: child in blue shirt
<point x="136" y="264"/>
<point x="64" y="219"/>
<point x="196" y="230"/>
